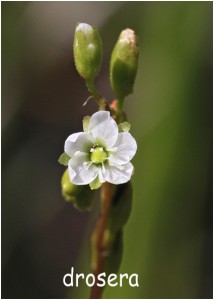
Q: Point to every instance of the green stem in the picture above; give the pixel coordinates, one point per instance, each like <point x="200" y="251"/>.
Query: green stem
<point x="101" y="102"/>
<point x="120" y="106"/>
<point x="92" y="89"/>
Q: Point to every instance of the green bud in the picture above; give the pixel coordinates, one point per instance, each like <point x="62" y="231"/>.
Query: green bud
<point x="87" y="51"/>
<point x="121" y="207"/>
<point x="69" y="190"/>
<point x="80" y="195"/>
<point x="124" y="63"/>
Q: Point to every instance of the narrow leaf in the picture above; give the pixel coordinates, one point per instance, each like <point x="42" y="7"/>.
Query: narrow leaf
<point x="114" y="257"/>
<point x="121" y="207"/>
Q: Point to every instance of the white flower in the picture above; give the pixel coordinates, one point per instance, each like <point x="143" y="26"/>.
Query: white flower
<point x="101" y="152"/>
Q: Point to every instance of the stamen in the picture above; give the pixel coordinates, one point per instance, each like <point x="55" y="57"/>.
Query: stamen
<point x="103" y="168"/>
<point x="114" y="149"/>
<point x="101" y="179"/>
<point x="87" y="165"/>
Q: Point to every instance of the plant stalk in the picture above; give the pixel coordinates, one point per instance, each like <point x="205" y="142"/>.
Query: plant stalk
<point x="99" y="247"/>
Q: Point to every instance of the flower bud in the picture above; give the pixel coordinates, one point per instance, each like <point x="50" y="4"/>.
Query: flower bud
<point x="80" y="195"/>
<point x="69" y="190"/>
<point x="87" y="51"/>
<point x="124" y="63"/>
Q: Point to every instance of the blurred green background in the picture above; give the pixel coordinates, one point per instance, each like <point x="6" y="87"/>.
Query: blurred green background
<point x="168" y="239"/>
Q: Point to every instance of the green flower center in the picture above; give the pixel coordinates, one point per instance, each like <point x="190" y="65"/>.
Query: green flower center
<point x="98" y="155"/>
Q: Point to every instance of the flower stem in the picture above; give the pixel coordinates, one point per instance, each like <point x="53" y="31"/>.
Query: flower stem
<point x="101" y="102"/>
<point x="99" y="247"/>
<point x="92" y="89"/>
<point x="120" y="106"/>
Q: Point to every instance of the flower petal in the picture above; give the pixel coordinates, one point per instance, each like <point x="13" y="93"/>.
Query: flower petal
<point x="103" y="128"/>
<point x="118" y="174"/>
<point x="81" y="171"/>
<point x="126" y="149"/>
<point x="80" y="141"/>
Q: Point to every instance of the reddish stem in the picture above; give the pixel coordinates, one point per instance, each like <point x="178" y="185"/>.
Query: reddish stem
<point x="98" y="238"/>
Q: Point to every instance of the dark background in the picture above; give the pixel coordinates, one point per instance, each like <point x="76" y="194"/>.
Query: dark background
<point x="168" y="239"/>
